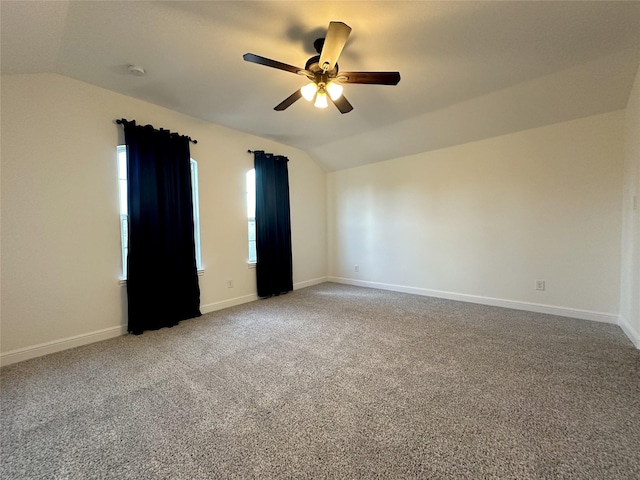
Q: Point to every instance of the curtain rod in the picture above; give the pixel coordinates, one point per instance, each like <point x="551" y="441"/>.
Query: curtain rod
<point x="120" y="121"/>
<point x="269" y="154"/>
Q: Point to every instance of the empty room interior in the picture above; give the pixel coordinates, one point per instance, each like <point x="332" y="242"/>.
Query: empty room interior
<point x="464" y="250"/>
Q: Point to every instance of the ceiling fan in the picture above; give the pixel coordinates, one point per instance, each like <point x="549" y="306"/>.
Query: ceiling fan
<point x="323" y="72"/>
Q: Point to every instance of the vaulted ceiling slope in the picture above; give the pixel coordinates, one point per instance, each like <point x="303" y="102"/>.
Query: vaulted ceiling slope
<point x="470" y="70"/>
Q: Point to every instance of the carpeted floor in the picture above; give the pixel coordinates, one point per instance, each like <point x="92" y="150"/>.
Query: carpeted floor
<point x="333" y="381"/>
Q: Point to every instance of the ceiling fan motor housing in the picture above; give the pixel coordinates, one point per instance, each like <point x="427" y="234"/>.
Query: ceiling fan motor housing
<point x="313" y="66"/>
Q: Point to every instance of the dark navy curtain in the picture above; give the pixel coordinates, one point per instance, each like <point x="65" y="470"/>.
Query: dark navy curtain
<point x="274" y="267"/>
<point x="162" y="277"/>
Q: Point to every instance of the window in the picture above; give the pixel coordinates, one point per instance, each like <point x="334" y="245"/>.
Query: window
<point x="251" y="214"/>
<point x="124" y="208"/>
<point x="196" y="211"/>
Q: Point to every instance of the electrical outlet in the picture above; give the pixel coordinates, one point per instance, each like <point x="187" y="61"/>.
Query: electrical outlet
<point x="229" y="283"/>
<point x="356" y="268"/>
<point x="539" y="284"/>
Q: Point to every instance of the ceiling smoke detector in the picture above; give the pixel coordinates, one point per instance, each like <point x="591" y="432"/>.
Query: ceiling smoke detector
<point x="136" y="70"/>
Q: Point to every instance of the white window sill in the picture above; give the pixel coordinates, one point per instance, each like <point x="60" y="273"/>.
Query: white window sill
<point x="123" y="281"/>
<point x="251" y="265"/>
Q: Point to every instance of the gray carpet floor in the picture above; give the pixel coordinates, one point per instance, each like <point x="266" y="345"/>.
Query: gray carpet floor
<point x="333" y="381"/>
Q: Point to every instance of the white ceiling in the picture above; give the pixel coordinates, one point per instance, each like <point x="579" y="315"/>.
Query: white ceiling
<point x="470" y="70"/>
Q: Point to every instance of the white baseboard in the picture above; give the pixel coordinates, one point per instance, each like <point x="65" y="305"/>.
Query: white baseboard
<point x="232" y="302"/>
<point x="496" y="302"/>
<point x="309" y="283"/>
<point x="54" y="346"/>
<point x="41" y="349"/>
<point x="629" y="331"/>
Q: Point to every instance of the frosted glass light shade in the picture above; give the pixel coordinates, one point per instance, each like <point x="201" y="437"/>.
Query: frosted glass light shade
<point x="309" y="91"/>
<point x="334" y="90"/>
<point x="321" y="100"/>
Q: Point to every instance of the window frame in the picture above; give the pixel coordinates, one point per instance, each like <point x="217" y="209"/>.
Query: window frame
<point x="123" y="185"/>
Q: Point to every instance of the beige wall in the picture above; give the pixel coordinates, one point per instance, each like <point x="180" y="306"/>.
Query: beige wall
<point x="482" y="221"/>
<point x="60" y="228"/>
<point x="630" y="284"/>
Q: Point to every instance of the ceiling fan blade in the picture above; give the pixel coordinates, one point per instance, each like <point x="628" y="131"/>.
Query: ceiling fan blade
<point x="342" y="103"/>
<point x="250" y="57"/>
<point x="287" y="102"/>
<point x="333" y="44"/>
<point x="376" y="78"/>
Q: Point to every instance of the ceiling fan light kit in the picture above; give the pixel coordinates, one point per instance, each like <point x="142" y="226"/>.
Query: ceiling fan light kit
<point x="309" y="91"/>
<point x="334" y="90"/>
<point x="321" y="99"/>
<point x="323" y="72"/>
<point x="317" y="90"/>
